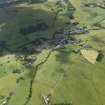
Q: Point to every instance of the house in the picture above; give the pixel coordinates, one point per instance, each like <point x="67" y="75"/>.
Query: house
<point x="46" y="99"/>
<point x="91" y="5"/>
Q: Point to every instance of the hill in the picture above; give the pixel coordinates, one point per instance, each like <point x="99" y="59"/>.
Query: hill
<point x="40" y="53"/>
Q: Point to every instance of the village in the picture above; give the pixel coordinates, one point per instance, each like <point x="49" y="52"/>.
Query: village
<point x="59" y="38"/>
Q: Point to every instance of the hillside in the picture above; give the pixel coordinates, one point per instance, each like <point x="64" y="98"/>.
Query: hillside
<point x="52" y="52"/>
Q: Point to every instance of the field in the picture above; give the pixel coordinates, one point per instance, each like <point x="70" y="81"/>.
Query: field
<point x="64" y="75"/>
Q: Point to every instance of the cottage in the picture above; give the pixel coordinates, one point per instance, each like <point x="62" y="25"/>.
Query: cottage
<point x="46" y="99"/>
<point x="91" y="5"/>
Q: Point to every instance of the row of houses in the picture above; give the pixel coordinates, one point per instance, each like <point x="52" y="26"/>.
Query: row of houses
<point x="93" y="4"/>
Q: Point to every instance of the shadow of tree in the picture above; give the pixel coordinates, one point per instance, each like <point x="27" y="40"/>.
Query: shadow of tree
<point x="63" y="56"/>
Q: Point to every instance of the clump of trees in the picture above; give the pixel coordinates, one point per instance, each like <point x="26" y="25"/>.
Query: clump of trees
<point x="17" y="71"/>
<point x="100" y="56"/>
<point x="20" y="79"/>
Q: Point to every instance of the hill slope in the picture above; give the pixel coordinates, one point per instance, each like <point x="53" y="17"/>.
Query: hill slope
<point x="40" y="53"/>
